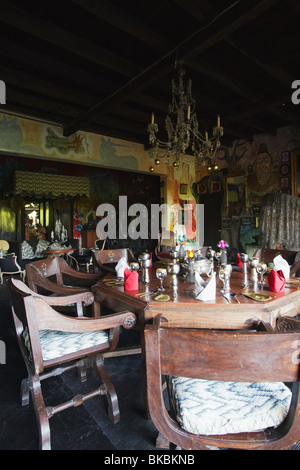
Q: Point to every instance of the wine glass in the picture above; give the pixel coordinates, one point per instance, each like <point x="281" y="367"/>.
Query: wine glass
<point x="224" y="275"/>
<point x="261" y="268"/>
<point x="223" y="278"/>
<point x="218" y="256"/>
<point x="161" y="273"/>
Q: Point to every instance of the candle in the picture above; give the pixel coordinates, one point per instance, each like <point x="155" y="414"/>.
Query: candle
<point x="206" y="136"/>
<point x="219" y="121"/>
<point x="188" y="112"/>
<point x="152" y="118"/>
<point x="190" y="254"/>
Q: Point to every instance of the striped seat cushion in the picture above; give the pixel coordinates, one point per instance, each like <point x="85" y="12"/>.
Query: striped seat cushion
<point x="57" y="343"/>
<point x="212" y="407"/>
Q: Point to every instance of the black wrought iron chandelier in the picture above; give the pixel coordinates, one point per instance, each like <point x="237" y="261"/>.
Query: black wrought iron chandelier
<point x="183" y="132"/>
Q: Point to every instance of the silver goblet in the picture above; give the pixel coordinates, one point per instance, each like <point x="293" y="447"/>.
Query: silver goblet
<point x="224" y="275"/>
<point x="244" y="259"/>
<point x="161" y="273"/>
<point x="261" y="269"/>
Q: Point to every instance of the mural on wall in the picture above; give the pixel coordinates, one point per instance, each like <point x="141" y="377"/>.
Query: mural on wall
<point x="263" y="180"/>
<point x="266" y="164"/>
<point x="110" y="157"/>
<point x="76" y="142"/>
<point x="11" y="136"/>
<point x="37" y="140"/>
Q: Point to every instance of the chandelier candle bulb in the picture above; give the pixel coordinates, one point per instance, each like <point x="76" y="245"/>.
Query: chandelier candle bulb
<point x="189" y="113"/>
<point x="219" y="121"/>
<point x="152" y="118"/>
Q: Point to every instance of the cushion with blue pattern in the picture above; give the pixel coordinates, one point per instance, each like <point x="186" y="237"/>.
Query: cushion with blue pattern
<point x="213" y="408"/>
<point x="58" y="343"/>
<point x="41" y="246"/>
<point x="26" y="250"/>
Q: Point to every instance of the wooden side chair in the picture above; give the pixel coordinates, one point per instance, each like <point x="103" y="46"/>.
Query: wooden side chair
<point x="106" y="260"/>
<point x="40" y="275"/>
<point x="52" y="343"/>
<point x="226" y="388"/>
<point x="9" y="266"/>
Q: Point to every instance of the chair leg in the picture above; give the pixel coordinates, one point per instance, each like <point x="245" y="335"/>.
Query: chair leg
<point x="82" y="372"/>
<point x="41" y="414"/>
<point x="111" y="396"/>
<point x="162" y="442"/>
<point x="24" y="392"/>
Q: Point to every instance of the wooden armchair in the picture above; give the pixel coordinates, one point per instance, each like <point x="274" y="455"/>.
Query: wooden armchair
<point x="48" y="339"/>
<point x="240" y="402"/>
<point x="106" y="260"/>
<point x="39" y="272"/>
<point x="80" y="300"/>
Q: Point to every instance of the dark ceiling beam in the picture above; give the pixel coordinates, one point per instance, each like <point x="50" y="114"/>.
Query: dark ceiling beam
<point x="275" y="71"/>
<point x="295" y="6"/>
<point x="274" y="105"/>
<point x="35" y="102"/>
<point x="119" y="18"/>
<point x="37" y="61"/>
<point x="190" y="7"/>
<point x="218" y="29"/>
<point x="47" y="31"/>
<point x="18" y="78"/>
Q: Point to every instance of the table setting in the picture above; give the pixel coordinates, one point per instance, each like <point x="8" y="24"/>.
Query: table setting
<point x="207" y="279"/>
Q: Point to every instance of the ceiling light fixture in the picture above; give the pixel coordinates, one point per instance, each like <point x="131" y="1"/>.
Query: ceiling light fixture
<point x="184" y="135"/>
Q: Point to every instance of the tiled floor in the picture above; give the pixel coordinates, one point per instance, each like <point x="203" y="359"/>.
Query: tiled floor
<point x="85" y="427"/>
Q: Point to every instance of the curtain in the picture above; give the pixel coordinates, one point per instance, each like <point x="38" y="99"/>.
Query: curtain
<point x="280" y="222"/>
<point x="50" y="185"/>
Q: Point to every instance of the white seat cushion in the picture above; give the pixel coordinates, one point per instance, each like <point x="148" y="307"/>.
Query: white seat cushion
<point x="212" y="407"/>
<point x="26" y="250"/>
<point x="56" y="343"/>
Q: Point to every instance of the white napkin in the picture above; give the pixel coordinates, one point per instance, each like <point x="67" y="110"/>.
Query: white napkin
<point x="205" y="290"/>
<point x="121" y="266"/>
<point x="280" y="263"/>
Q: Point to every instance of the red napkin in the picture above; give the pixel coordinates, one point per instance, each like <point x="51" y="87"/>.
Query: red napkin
<point x="238" y="261"/>
<point x="131" y="280"/>
<point x="276" y="281"/>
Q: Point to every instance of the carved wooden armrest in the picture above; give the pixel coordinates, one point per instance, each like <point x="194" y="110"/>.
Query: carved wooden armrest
<point x="288" y="323"/>
<point x="58" y="289"/>
<point x="48" y="318"/>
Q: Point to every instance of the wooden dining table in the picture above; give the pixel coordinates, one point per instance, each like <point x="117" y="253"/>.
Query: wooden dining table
<point x="239" y="312"/>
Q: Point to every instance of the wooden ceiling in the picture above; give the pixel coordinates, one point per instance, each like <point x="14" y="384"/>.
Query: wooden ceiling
<point x="104" y="65"/>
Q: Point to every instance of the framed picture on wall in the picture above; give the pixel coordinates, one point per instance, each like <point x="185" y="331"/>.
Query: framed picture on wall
<point x="255" y="200"/>
<point x="226" y="223"/>
<point x="183" y="188"/>
<point x="295" y="161"/>
<point x="284" y="182"/>
<point x="285" y="156"/>
<point x="215" y="186"/>
<point x="201" y="188"/>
